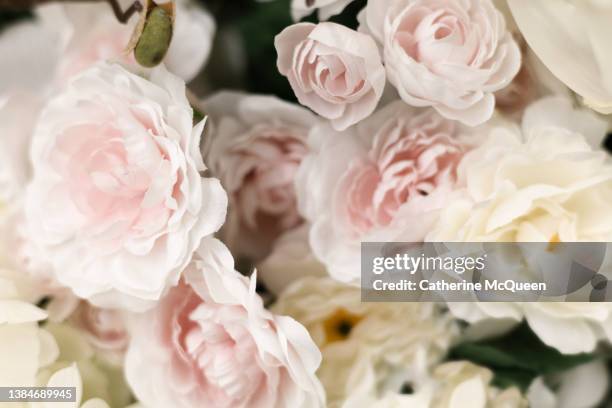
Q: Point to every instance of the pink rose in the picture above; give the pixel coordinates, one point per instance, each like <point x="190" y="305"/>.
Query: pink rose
<point x="211" y="343"/>
<point x="450" y="55"/>
<point x="255" y="148"/>
<point x="117" y="204"/>
<point x="333" y="70"/>
<point x="384" y="181"/>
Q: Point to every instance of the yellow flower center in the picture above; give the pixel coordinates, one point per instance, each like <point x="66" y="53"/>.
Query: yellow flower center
<point x="338" y="326"/>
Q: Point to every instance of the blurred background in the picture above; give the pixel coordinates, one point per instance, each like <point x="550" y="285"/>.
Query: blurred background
<point x="244" y="54"/>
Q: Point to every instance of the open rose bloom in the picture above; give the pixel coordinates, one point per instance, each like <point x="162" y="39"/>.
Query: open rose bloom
<point x="190" y="191"/>
<point x="333" y="70"/>
<point x="450" y="55"/>
<point x="210" y="342"/>
<point x="384" y="181"/>
<point x="116" y="193"/>
<point x="255" y="147"/>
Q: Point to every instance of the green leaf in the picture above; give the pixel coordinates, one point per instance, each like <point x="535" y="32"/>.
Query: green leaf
<point x="506" y="378"/>
<point x="518" y="357"/>
<point x="258" y="29"/>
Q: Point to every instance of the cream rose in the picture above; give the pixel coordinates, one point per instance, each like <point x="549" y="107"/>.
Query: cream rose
<point x="332" y="69"/>
<point x="546" y="183"/>
<point x="584" y="386"/>
<point x="32" y="354"/>
<point x="461" y="383"/>
<point x="71" y="377"/>
<point x="210" y="342"/>
<point x="364" y="341"/>
<point x="456" y="384"/>
<point x="117" y="204"/>
<point x="448" y="55"/>
<point x="255" y="147"/>
<point x="24" y="347"/>
<point x="384" y="180"/>
<point x="571" y="39"/>
<point x="94" y="378"/>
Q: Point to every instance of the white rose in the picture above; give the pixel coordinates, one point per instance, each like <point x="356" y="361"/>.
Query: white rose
<point x="571" y="39"/>
<point x="546" y="183"/>
<point x="24" y="346"/>
<point x="584" y="386"/>
<point x="456" y="384"/>
<point x="459" y="384"/>
<point x="71" y="377"/>
<point x="96" y="378"/>
<point x="359" y="338"/>
<point x="117" y="204"/>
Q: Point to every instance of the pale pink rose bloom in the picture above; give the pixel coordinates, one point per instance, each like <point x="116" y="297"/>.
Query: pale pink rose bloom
<point x="255" y="147"/>
<point x="91" y="33"/>
<point x="326" y="8"/>
<point x="117" y="204"/>
<point x="211" y="343"/>
<point x="333" y="70"/>
<point x="450" y="55"/>
<point x="383" y="181"/>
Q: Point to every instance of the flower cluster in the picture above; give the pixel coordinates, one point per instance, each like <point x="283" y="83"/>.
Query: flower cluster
<point x="172" y="237"/>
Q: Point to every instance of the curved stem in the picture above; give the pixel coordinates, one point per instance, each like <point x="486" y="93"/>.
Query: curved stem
<point x="122" y="16"/>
